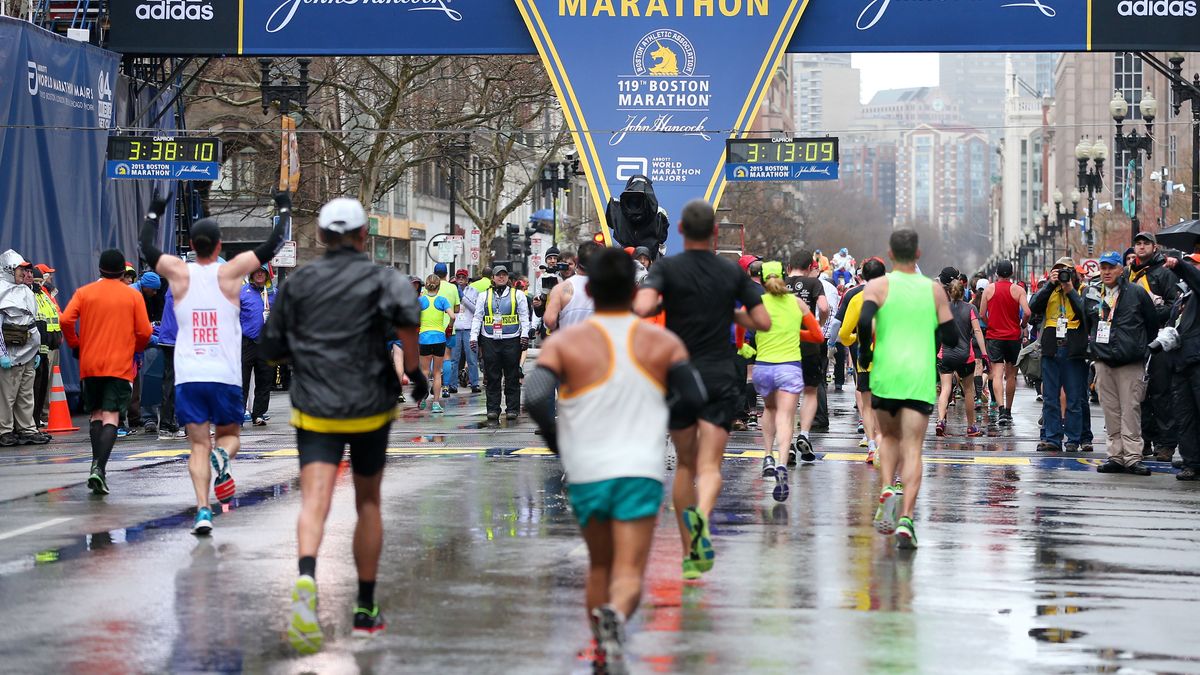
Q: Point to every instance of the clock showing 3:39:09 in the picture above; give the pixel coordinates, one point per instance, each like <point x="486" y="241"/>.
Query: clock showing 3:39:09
<point x="163" y="149"/>
<point x="795" y="151"/>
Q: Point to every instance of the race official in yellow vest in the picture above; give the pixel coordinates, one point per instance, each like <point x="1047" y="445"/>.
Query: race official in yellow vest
<point x="499" y="333"/>
<point x="47" y="313"/>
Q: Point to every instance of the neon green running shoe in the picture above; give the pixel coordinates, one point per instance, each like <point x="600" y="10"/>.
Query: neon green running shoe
<point x="906" y="535"/>
<point x="702" y="548"/>
<point x="691" y="570"/>
<point x="304" y="630"/>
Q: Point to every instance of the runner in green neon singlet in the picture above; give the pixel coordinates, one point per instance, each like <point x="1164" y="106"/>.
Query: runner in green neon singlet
<point x="908" y="313"/>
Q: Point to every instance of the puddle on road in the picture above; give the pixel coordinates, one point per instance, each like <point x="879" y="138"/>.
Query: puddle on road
<point x="1055" y="635"/>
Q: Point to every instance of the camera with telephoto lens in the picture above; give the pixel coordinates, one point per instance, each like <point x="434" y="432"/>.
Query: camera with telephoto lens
<point x="1065" y="276"/>
<point x="1167" y="340"/>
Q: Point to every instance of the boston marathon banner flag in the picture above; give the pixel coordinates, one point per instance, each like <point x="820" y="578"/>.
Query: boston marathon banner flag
<point x="654" y="87"/>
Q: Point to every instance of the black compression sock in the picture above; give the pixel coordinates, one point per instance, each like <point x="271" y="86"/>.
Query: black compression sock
<point x="308" y="566"/>
<point x="106" y="439"/>
<point x="94" y="435"/>
<point x="366" y="594"/>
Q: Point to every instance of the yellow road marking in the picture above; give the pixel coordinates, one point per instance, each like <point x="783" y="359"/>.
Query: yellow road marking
<point x="436" y="451"/>
<point x="533" y="451"/>
<point x="160" y="453"/>
<point x="286" y="452"/>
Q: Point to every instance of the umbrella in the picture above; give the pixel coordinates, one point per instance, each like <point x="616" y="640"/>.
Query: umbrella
<point x="1183" y="236"/>
<point x="544" y="214"/>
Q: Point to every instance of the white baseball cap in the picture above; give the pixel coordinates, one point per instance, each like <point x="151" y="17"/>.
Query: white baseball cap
<point x="981" y="284"/>
<point x="342" y="215"/>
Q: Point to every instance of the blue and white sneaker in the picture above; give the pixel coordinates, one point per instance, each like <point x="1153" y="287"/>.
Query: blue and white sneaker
<point x="780" y="493"/>
<point x="203" y="525"/>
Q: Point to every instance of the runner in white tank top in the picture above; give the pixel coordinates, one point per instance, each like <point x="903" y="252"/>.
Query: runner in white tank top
<point x="580" y="307"/>
<point x="612" y="419"/>
<point x="208" y="347"/>
<point x="596" y="449"/>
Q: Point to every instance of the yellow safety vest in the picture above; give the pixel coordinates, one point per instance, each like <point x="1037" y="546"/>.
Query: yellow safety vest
<point x="506" y="320"/>
<point x="46" y="312"/>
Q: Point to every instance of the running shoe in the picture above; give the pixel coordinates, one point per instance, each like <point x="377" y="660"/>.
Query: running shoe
<point x="906" y="534"/>
<point x="260" y="421"/>
<point x="245" y="416"/>
<point x="152" y="427"/>
<point x="203" y="523"/>
<point x="861" y="429"/>
<point x="223" y="484"/>
<point x="940" y="428"/>
<point x="885" y="515"/>
<point x="792" y="455"/>
<point x="304" y="629"/>
<point x="768" y="470"/>
<point x="805" y="448"/>
<point x="781" y="491"/>
<point x="445" y="392"/>
<point x="871" y="453"/>
<point x="475" y="389"/>
<point x="436" y="407"/>
<point x="609" y="627"/>
<point x="974" y="432"/>
<point x="96" y="481"/>
<point x="421" y="404"/>
<point x="691" y="568"/>
<point x="122" y="432"/>
<point x="898" y="487"/>
<point x="702" y="548"/>
<point x="368" y="622"/>
<point x="864" y="442"/>
<point x="181" y="433"/>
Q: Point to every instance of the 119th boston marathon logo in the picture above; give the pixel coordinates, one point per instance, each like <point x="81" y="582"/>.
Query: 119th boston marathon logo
<point x="664" y="80"/>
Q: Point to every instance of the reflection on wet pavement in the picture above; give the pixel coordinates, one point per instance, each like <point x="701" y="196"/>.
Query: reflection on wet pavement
<point x="1027" y="568"/>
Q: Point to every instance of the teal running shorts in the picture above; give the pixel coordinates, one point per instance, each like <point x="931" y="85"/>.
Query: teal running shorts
<point x="615" y="499"/>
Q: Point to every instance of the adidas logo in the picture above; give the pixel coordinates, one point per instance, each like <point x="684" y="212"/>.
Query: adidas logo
<point x="1157" y="8"/>
<point x="176" y="10"/>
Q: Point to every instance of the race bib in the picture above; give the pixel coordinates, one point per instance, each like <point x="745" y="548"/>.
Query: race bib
<point x="1060" y="330"/>
<point x="1103" y="332"/>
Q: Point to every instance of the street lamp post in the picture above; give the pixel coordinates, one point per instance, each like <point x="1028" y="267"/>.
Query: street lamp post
<point x="1135" y="143"/>
<point x="456" y="151"/>
<point x="1091" y="180"/>
<point x="1064" y="217"/>
<point x="556" y="176"/>
<point x="1048" y="233"/>
<point x="1182" y="90"/>
<point x="283" y="93"/>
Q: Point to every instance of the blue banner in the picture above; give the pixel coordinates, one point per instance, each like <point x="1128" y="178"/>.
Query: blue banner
<point x="659" y="94"/>
<point x="119" y="170"/>
<point x="781" y="172"/>
<point x="303" y="27"/>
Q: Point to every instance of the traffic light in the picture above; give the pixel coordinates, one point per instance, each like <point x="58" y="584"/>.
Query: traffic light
<point x="512" y="236"/>
<point x="598" y="238"/>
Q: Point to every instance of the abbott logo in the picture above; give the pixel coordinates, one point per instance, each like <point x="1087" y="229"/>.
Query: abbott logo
<point x="1157" y="8"/>
<point x="175" y="10"/>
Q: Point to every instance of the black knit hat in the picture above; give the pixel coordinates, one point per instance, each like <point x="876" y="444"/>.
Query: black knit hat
<point x="112" y="263"/>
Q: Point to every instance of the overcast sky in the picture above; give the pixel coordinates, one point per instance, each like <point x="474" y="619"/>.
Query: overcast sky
<point x="895" y="71"/>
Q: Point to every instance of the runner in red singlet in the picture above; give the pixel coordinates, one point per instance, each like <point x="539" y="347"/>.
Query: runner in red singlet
<point x="1005" y="308"/>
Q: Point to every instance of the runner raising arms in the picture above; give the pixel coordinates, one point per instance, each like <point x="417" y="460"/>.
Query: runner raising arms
<point x="697" y="289"/>
<point x="908" y="312"/>
<point x="612" y="366"/>
<point x="208" y="347"/>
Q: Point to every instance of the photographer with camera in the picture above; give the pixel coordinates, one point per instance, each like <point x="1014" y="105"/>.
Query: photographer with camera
<point x="1125" y="323"/>
<point x="1064" y="341"/>
<point x="568" y="303"/>
<point x="1148" y="271"/>
<point x="1184" y="322"/>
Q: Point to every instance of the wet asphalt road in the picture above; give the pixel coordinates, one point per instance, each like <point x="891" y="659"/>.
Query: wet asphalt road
<point x="1027" y="563"/>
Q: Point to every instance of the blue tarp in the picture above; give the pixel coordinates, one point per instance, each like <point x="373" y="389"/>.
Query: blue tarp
<point x="58" y="100"/>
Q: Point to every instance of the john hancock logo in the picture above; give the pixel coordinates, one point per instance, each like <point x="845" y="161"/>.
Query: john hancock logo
<point x="664" y="53"/>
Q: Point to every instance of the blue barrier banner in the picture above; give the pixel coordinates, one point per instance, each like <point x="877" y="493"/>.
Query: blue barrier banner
<point x="654" y="88"/>
<point x="59" y="100"/>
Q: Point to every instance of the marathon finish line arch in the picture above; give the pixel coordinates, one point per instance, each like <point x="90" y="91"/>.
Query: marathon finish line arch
<point x="650" y="87"/>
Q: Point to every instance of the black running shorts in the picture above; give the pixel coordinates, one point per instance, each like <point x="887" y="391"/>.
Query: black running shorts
<point x="438" y="350"/>
<point x="368" y="451"/>
<point x="1004" y="351"/>
<point x="813" y="377"/>
<point x="721" y="382"/>
<point x="892" y="406"/>
<point x="862" y="381"/>
<point x="959" y="369"/>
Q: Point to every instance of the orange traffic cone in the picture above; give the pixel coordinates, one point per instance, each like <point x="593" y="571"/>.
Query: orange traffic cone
<point x="60" y="414"/>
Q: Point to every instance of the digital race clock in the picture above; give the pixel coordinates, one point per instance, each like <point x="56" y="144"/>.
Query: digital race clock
<point x="750" y="159"/>
<point x="163" y="157"/>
